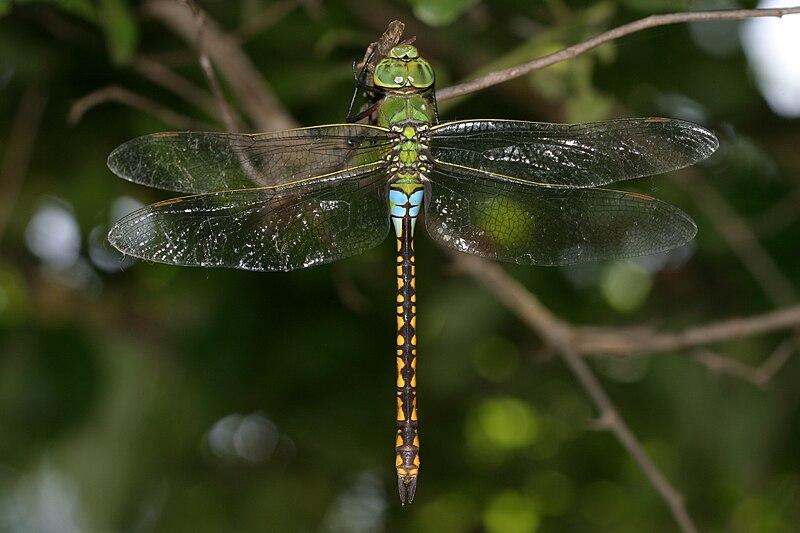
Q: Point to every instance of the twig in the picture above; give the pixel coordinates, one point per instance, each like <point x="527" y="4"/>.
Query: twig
<point x="553" y="332"/>
<point x="634" y="341"/>
<point x="759" y="376"/>
<point x="741" y="239"/>
<point x="268" y="17"/>
<point x="500" y="76"/>
<point x="17" y="157"/>
<point x="244" y="80"/>
<point x="208" y="70"/>
<point x="779" y="215"/>
<point x="775" y="362"/>
<point x="114" y="93"/>
<point x="160" y="74"/>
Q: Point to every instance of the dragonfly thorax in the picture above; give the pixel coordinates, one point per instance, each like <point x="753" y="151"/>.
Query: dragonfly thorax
<point x="409" y="164"/>
<point x="409" y="158"/>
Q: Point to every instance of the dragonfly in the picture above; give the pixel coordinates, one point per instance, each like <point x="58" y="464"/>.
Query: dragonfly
<point x="516" y="191"/>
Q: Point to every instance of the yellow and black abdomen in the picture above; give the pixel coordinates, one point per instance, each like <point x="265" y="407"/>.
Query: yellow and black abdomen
<point x="408" y="163"/>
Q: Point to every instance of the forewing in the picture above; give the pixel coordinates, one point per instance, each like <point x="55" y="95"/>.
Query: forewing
<point x="570" y="155"/>
<point x="193" y="162"/>
<point x="260" y="229"/>
<point x="534" y="225"/>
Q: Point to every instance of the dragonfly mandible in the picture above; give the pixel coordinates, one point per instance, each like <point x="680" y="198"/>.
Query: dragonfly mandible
<point x="516" y="191"/>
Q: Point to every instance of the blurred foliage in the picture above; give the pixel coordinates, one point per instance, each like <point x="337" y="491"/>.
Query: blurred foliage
<point x="144" y="397"/>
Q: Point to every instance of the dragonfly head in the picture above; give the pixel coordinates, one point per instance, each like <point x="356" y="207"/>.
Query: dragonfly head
<point x="402" y="68"/>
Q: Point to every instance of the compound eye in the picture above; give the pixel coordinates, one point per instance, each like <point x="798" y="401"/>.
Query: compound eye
<point x="390" y="73"/>
<point x="420" y="73"/>
<point x="404" y="51"/>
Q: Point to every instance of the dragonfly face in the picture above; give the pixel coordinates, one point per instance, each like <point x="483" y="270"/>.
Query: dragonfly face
<point x="516" y="191"/>
<point x="403" y="68"/>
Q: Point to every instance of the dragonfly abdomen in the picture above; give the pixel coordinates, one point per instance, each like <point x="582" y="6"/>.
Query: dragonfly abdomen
<point x="407" y="437"/>
<point x="405" y="200"/>
<point x="408" y="163"/>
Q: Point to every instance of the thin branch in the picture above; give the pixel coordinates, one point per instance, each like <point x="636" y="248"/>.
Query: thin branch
<point x="779" y="215"/>
<point x="162" y="75"/>
<point x="553" y="332"/>
<point x="759" y="376"/>
<point x="775" y="362"/>
<point x="740" y="238"/>
<point x="208" y="71"/>
<point x="114" y="93"/>
<point x="725" y="365"/>
<point x="17" y="157"/>
<point x="235" y="67"/>
<point x="500" y="76"/>
<point x="267" y="18"/>
<point x="639" y="340"/>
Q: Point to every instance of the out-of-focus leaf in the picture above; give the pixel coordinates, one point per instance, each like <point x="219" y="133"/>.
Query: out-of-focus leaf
<point x="512" y="512"/>
<point x="119" y="25"/>
<point x="14" y="298"/>
<point x="588" y="106"/>
<point x="625" y="285"/>
<point x="496" y="359"/>
<point x="650" y="7"/>
<point x="80" y="8"/>
<point x="5" y="7"/>
<point x="440" y="12"/>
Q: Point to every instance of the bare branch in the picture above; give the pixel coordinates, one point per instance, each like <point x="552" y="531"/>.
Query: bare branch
<point x="208" y="70"/>
<point x="17" y="157"/>
<point x="267" y="18"/>
<point x="160" y="74"/>
<point x="628" y="342"/>
<point x="776" y="361"/>
<point x="759" y="376"/>
<point x="114" y="93"/>
<point x="244" y="80"/>
<point x="500" y="76"/>
<point x="725" y="365"/>
<point x="740" y="238"/>
<point x="778" y="216"/>
<point x="555" y="334"/>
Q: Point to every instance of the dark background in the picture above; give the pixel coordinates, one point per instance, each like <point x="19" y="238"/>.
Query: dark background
<point x="142" y="397"/>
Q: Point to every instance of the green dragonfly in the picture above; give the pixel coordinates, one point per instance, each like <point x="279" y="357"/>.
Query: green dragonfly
<point x="516" y="191"/>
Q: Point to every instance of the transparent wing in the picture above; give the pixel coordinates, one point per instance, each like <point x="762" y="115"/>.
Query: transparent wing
<point x="570" y="155"/>
<point x="534" y="225"/>
<point x="260" y="229"/>
<point x="193" y="162"/>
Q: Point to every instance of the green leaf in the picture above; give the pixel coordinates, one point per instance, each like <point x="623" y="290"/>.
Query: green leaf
<point x="440" y="12"/>
<point x="119" y="25"/>
<point x="625" y="285"/>
<point x="5" y="7"/>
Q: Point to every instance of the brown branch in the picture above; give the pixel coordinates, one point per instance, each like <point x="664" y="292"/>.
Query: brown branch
<point x="208" y="71"/>
<point x="114" y="93"/>
<point x="267" y="18"/>
<point x="235" y="67"/>
<point x="759" y="376"/>
<point x="741" y="239"/>
<point x="500" y="76"/>
<point x="779" y="215"/>
<point x="17" y="157"/>
<point x="160" y="74"/>
<point x="556" y="335"/>
<point x="634" y="341"/>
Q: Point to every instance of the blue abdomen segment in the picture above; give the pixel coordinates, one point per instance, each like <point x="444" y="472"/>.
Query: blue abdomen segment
<point x="405" y="202"/>
<point x="415" y="200"/>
